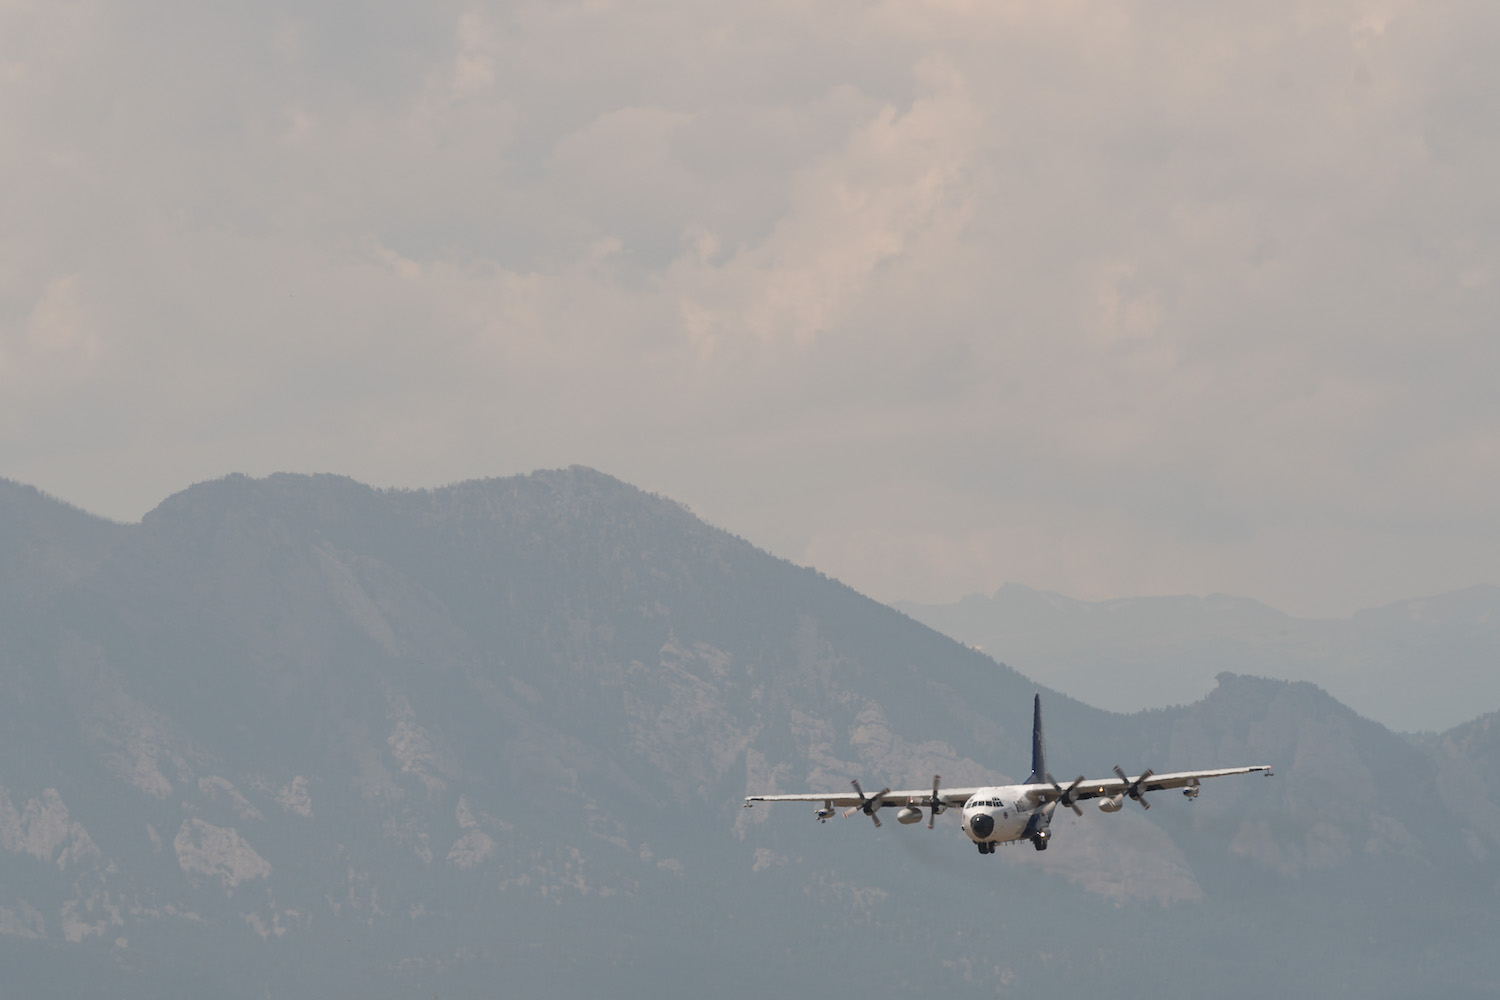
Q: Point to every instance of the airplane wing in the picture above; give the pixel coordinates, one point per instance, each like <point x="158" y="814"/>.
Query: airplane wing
<point x="902" y="797"/>
<point x="1132" y="787"/>
<point x="1083" y="788"/>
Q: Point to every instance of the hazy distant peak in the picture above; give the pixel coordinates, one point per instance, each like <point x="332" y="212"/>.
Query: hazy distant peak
<point x="576" y="487"/>
<point x="1418" y="665"/>
<point x="1479" y="742"/>
<point x="20" y="500"/>
<point x="1477" y="605"/>
<point x="581" y="482"/>
<point x="239" y="491"/>
<point x="1019" y="598"/>
<point x="1261" y="690"/>
<point x="574" y="478"/>
<point x="574" y="493"/>
<point x="46" y="543"/>
<point x="1236" y="603"/>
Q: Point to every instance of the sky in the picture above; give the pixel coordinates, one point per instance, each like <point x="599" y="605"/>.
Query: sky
<point x="1106" y="299"/>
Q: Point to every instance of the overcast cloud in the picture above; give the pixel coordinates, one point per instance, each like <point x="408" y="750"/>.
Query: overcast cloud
<point x="1107" y="299"/>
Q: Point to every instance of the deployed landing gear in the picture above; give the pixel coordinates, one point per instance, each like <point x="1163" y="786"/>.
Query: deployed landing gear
<point x="1039" y="842"/>
<point x="985" y="847"/>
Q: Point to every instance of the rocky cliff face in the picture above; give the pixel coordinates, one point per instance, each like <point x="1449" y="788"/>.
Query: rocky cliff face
<point x="301" y="737"/>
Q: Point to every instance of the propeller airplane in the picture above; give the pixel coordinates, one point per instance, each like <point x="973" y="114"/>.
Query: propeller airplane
<point x="1004" y="814"/>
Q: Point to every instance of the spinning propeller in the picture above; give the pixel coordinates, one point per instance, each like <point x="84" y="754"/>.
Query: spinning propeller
<point x="869" y="805"/>
<point x="937" y="804"/>
<point x="1133" y="789"/>
<point x="1066" y="797"/>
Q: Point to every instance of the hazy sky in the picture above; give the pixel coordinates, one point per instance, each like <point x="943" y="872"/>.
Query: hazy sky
<point x="1110" y="299"/>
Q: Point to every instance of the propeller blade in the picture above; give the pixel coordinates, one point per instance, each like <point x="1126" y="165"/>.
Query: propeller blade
<point x="1139" y="795"/>
<point x="1133" y="788"/>
<point x="862" y="800"/>
<point x="936" y="805"/>
<point x="867" y="804"/>
<point x="1066" y="797"/>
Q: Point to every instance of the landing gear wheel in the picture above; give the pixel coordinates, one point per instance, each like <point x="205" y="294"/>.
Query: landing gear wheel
<point x="1039" y="843"/>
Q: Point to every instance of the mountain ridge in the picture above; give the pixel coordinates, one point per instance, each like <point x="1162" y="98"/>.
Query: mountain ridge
<point x="1416" y="665"/>
<point x="301" y="736"/>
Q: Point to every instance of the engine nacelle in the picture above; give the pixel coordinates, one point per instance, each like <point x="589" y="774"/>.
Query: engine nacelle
<point x="909" y="815"/>
<point x="1111" y="804"/>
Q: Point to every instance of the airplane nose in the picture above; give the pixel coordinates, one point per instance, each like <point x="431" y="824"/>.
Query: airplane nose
<point x="982" y="824"/>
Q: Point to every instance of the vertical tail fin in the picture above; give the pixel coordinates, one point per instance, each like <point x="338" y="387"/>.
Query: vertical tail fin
<point x="1038" y="748"/>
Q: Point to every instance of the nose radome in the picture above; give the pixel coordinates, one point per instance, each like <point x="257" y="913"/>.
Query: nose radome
<point x="983" y="824"/>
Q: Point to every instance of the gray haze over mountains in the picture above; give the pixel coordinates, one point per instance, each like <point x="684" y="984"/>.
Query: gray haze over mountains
<point x="1148" y="298"/>
<point x="299" y="737"/>
<point x="1425" y="664"/>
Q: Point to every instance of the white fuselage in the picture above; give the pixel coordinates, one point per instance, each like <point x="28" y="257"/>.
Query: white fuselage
<point x="999" y="814"/>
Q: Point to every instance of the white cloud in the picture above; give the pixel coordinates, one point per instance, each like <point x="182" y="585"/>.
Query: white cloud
<point x="934" y="294"/>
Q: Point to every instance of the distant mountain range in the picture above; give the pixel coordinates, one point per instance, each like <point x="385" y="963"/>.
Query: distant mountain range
<point x="299" y="737"/>
<point x="1419" y="665"/>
